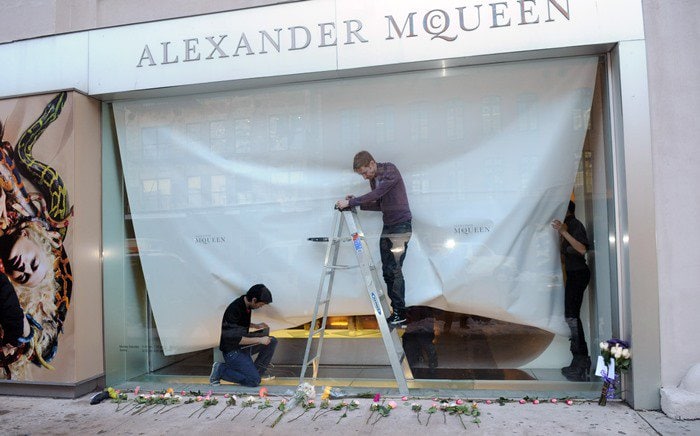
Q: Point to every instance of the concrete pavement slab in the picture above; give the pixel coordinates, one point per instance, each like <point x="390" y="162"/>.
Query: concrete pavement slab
<point x="39" y="416"/>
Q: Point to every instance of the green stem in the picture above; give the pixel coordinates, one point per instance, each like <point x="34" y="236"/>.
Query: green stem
<point x="239" y="412"/>
<point x="298" y="416"/>
<point x="192" y="414"/>
<point x="174" y="407"/>
<point x="222" y="411"/>
<point x="461" y="420"/>
<point x="321" y="414"/>
<point x="273" y="412"/>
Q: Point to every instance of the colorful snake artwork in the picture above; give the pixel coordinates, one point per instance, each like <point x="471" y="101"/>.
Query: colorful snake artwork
<point x="39" y="219"/>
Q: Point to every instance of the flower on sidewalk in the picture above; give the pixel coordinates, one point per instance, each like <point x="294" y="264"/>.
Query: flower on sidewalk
<point x="207" y="402"/>
<point x="382" y="410"/>
<point x="304" y="395"/>
<point x="230" y="402"/>
<point x="432" y="409"/>
<point x="248" y="402"/>
<point x="417" y="408"/>
<point x="352" y="405"/>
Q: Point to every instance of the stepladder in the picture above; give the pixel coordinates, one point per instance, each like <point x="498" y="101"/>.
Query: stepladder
<point x="346" y="231"/>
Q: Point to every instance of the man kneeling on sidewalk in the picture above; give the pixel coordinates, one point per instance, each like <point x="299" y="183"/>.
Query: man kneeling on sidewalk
<point x="238" y="344"/>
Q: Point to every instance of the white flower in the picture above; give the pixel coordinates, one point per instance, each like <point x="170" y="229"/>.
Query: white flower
<point x="167" y="395"/>
<point x="617" y="352"/>
<point x="626" y="353"/>
<point x="603" y="345"/>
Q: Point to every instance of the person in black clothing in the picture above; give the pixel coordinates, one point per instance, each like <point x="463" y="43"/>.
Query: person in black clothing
<point x="574" y="244"/>
<point x="238" y="344"/>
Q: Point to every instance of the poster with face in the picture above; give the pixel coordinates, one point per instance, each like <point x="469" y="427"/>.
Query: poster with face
<point x="36" y="280"/>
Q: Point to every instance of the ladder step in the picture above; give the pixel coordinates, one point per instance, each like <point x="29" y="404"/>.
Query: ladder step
<point x="313" y="332"/>
<point x="332" y="267"/>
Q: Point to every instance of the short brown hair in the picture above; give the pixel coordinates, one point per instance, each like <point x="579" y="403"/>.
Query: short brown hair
<point x="362" y="159"/>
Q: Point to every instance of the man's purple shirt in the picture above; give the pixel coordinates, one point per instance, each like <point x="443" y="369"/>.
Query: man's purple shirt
<point x="388" y="194"/>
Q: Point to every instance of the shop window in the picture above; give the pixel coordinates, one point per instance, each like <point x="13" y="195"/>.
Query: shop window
<point x="486" y="166"/>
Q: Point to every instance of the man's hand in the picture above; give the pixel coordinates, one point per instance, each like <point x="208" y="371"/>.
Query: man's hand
<point x="260" y="326"/>
<point x="559" y="227"/>
<point x="342" y="204"/>
<point x="265" y="340"/>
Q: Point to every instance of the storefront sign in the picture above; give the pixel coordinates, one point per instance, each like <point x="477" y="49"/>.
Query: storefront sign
<point x="312" y="36"/>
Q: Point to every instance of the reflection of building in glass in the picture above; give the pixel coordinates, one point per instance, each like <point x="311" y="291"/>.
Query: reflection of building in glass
<point x="490" y="114"/>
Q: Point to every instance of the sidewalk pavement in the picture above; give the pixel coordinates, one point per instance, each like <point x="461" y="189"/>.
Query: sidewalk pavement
<point x="39" y="416"/>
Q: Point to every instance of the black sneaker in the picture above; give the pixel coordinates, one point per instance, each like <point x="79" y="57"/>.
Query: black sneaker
<point x="214" y="378"/>
<point x="396" y="319"/>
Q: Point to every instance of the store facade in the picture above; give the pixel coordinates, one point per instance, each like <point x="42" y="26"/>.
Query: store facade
<point x="227" y="137"/>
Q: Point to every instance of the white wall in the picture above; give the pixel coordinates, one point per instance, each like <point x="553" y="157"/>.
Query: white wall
<point x="674" y="91"/>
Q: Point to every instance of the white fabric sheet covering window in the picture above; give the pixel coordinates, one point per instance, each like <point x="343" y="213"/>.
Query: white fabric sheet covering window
<point x="224" y="190"/>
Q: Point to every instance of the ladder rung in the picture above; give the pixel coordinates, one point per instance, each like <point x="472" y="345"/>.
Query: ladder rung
<point x="311" y="360"/>
<point x="339" y="266"/>
<point x="314" y="331"/>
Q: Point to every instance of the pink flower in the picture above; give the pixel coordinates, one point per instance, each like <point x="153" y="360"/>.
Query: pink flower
<point x="459" y="402"/>
<point x="404" y="398"/>
<point x="435" y="399"/>
<point x="150" y="392"/>
<point x="377" y="397"/>
<point x="392" y="404"/>
<point x="226" y="395"/>
<point x="312" y="402"/>
<point x="136" y="391"/>
<point x="262" y="393"/>
<point x="569" y="402"/>
<point x="488" y="401"/>
<point x="535" y="401"/>
<point x="522" y="401"/>
<point x="199" y="398"/>
<point x="553" y="400"/>
<point x="209" y="394"/>
<point x="183" y="393"/>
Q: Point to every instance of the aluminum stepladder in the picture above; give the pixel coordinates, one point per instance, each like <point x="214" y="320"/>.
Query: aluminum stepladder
<point x="390" y="337"/>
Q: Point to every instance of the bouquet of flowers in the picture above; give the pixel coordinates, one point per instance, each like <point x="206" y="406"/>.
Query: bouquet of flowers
<point x="616" y="355"/>
<point x="304" y="395"/>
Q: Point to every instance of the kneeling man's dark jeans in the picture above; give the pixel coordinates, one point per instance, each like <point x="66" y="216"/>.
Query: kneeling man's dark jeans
<point x="239" y="367"/>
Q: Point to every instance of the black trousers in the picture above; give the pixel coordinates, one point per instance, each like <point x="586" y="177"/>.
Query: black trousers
<point x="576" y="283"/>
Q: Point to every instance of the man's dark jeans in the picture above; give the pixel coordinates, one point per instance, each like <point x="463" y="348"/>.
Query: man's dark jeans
<point x="392" y="246"/>
<point x="238" y="364"/>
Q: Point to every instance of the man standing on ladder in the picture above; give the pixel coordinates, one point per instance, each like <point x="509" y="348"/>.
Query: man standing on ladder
<point x="388" y="195"/>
